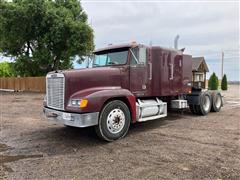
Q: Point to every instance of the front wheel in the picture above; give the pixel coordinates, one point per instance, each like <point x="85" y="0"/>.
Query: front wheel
<point x="114" y="121"/>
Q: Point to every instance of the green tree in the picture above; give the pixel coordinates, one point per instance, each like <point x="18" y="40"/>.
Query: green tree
<point x="224" y="84"/>
<point x="213" y="82"/>
<point x="44" y="35"/>
<point x="6" y="69"/>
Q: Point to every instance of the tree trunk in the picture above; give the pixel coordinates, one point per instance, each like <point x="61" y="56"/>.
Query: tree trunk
<point x="55" y="63"/>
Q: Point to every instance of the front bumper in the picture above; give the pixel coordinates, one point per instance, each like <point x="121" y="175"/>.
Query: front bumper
<point x="71" y="119"/>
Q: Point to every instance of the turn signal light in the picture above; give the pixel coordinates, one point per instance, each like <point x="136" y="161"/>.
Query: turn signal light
<point x="83" y="103"/>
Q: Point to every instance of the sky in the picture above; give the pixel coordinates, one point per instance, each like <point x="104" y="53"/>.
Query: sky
<point x="206" y="28"/>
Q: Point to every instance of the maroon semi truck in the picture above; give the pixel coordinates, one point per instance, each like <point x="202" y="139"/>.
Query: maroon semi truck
<point x="126" y="84"/>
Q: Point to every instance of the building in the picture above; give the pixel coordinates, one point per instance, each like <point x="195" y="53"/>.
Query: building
<point x="199" y="70"/>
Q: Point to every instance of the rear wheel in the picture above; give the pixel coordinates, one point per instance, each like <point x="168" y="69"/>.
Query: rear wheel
<point x="205" y="104"/>
<point x="114" y="121"/>
<point x="216" y="102"/>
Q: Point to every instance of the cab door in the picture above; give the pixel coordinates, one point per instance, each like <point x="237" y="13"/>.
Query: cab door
<point x="138" y="71"/>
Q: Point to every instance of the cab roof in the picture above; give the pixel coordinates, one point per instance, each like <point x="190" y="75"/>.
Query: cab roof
<point x="134" y="44"/>
<point x="118" y="46"/>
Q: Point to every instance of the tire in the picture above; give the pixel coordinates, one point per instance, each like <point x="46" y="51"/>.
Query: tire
<point x="216" y="102"/>
<point x="114" y="121"/>
<point x="205" y="104"/>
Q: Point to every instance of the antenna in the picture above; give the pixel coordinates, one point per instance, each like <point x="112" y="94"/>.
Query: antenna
<point x="150" y="43"/>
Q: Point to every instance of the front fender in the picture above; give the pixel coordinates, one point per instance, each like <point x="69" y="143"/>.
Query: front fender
<point x="98" y="96"/>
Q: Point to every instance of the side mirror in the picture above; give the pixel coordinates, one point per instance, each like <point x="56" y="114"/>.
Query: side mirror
<point x="142" y="55"/>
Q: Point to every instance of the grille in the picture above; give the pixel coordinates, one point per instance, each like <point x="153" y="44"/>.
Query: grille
<point x="55" y="91"/>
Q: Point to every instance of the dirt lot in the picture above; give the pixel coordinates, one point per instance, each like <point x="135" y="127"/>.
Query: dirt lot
<point x="176" y="147"/>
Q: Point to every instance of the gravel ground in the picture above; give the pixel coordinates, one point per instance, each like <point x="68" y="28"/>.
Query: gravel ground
<point x="181" y="146"/>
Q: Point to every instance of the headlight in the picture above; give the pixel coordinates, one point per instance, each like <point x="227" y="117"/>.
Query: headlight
<point x="75" y="102"/>
<point x="78" y="103"/>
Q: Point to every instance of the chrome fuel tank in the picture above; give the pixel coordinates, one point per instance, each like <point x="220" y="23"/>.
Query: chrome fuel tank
<point x="151" y="109"/>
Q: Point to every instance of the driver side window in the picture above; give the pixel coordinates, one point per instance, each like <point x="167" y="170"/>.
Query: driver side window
<point x="101" y="60"/>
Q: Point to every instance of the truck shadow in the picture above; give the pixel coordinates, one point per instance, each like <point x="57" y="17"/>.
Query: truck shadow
<point x="63" y="140"/>
<point x="154" y="124"/>
<point x="82" y="134"/>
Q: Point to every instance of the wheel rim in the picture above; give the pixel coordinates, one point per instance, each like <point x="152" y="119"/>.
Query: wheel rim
<point x="218" y="101"/>
<point x="206" y="103"/>
<point x="115" y="121"/>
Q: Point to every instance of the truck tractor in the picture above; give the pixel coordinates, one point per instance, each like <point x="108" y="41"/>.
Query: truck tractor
<point x="127" y="83"/>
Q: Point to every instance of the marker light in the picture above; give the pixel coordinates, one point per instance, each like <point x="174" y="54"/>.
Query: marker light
<point x="83" y="103"/>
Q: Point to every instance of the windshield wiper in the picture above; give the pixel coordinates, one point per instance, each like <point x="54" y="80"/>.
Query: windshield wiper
<point x="111" y="63"/>
<point x="96" y="65"/>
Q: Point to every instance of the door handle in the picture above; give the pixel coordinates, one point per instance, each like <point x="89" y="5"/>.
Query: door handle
<point x="150" y="71"/>
<point x="171" y="72"/>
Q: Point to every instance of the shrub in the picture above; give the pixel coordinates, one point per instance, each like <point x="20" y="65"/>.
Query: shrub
<point x="6" y="69"/>
<point x="213" y="82"/>
<point x="224" y="85"/>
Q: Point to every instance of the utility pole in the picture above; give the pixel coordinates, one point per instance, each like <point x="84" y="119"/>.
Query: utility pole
<point x="222" y="63"/>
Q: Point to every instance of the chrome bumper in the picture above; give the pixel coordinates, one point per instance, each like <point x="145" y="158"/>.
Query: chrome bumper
<point x="71" y="119"/>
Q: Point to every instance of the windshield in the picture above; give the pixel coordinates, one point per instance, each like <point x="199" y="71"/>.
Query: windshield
<point x="110" y="58"/>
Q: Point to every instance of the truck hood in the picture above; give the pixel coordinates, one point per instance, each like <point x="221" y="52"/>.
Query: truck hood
<point x="82" y="79"/>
